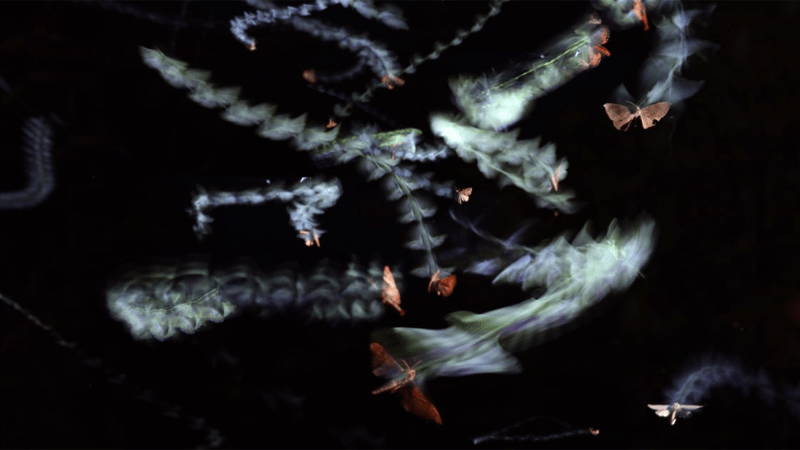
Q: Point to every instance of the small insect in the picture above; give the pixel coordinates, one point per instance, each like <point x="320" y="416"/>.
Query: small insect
<point x="594" y="19"/>
<point x="392" y="81"/>
<point x="443" y="286"/>
<point x="252" y="46"/>
<point x="331" y="124"/>
<point x="310" y="238"/>
<point x="674" y="411"/>
<point x="389" y="292"/>
<point x="463" y="194"/>
<point x="592" y="59"/>
<point x="310" y="76"/>
<point x="554" y="177"/>
<point x="641" y="13"/>
<point x="621" y="115"/>
<point x="596" y="50"/>
<point x="413" y="400"/>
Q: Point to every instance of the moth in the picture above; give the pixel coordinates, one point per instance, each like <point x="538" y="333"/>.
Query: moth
<point x="554" y="177"/>
<point x="443" y="286"/>
<point x="641" y="13"/>
<point x="389" y="292"/>
<point x="412" y="398"/>
<point x="310" y="76"/>
<point x="622" y="116"/>
<point x="392" y="81"/>
<point x="310" y="238"/>
<point x="463" y="194"/>
<point x="674" y="411"/>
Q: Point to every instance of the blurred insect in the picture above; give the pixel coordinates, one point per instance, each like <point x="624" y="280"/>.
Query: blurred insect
<point x="413" y="400"/>
<point x="594" y="19"/>
<point x="596" y="49"/>
<point x="554" y="177"/>
<point x="506" y="435"/>
<point x="674" y="411"/>
<point x="310" y="238"/>
<point x="443" y="286"/>
<point x="331" y="124"/>
<point x="392" y="81"/>
<point x="310" y="76"/>
<point x="252" y="46"/>
<point x="389" y="292"/>
<point x="600" y="39"/>
<point x="641" y="13"/>
<point x="463" y="194"/>
<point x="621" y="115"/>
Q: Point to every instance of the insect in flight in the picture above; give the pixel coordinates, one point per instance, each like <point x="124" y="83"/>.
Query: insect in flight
<point x="413" y="400"/>
<point x="310" y="238"/>
<point x="674" y="411"/>
<point x="641" y="13"/>
<point x="622" y="116"/>
<point x="463" y="194"/>
<point x="442" y="286"/>
<point x="555" y="176"/>
<point x="389" y="292"/>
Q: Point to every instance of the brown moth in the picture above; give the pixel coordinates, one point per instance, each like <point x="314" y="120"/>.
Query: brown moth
<point x="310" y="238"/>
<point x="554" y="177"/>
<point x="641" y="13"/>
<point x="413" y="400"/>
<point x="389" y="292"/>
<point x="622" y="116"/>
<point x="463" y="194"/>
<point x="310" y="76"/>
<point x="443" y="286"/>
<point x="392" y="81"/>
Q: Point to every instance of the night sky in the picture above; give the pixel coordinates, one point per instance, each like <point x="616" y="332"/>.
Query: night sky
<point x="719" y="175"/>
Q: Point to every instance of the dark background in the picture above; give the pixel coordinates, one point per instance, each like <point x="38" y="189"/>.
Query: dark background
<point x="719" y="176"/>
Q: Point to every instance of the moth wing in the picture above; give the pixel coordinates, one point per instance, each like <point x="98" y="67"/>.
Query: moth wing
<point x="654" y="112"/>
<point x="690" y="407"/>
<point x="434" y="280"/>
<point x="661" y="410"/>
<point x="619" y="114"/>
<point x="415" y="402"/>
<point x="389" y="292"/>
<point x="446" y="285"/>
<point x="383" y="364"/>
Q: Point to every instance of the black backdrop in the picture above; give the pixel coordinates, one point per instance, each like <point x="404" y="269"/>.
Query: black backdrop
<point x="720" y="178"/>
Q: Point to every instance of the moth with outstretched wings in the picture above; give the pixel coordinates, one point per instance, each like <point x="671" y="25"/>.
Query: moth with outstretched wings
<point x="412" y="398"/>
<point x="674" y="411"/>
<point x="622" y="116"/>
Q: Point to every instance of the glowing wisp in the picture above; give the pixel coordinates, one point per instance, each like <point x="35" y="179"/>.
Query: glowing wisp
<point x="577" y="277"/>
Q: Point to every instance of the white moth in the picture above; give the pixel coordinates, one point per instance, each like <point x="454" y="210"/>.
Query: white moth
<point x="674" y="411"/>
